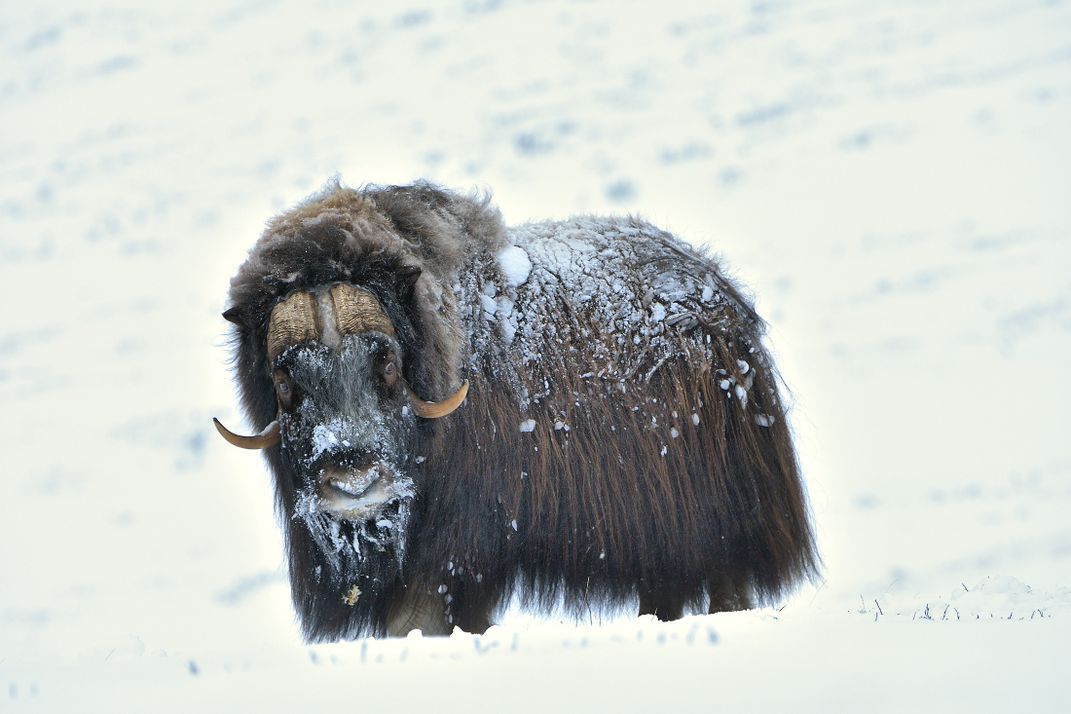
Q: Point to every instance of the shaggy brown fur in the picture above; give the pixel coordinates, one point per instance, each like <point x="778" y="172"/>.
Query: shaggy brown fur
<point x="645" y="475"/>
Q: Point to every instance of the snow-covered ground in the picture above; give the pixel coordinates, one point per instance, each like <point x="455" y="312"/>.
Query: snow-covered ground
<point x="892" y="179"/>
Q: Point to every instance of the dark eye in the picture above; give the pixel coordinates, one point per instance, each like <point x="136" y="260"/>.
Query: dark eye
<point x="388" y="368"/>
<point x="284" y="389"/>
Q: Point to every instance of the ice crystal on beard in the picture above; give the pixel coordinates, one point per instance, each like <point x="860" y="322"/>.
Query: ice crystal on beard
<point x="372" y="534"/>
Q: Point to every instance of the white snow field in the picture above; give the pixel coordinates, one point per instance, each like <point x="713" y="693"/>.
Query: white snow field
<point x="891" y="179"/>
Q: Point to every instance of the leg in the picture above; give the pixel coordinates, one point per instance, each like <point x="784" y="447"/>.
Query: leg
<point x="431" y="614"/>
<point x="414" y="610"/>
<point x="474" y="603"/>
<point x="727" y="596"/>
<point x="663" y="605"/>
<point x="474" y="620"/>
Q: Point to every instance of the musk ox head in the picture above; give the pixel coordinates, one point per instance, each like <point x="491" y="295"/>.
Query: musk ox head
<point x="339" y="333"/>
<point x="345" y="415"/>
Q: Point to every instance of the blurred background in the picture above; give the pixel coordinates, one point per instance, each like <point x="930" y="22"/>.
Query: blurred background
<point x="890" y="179"/>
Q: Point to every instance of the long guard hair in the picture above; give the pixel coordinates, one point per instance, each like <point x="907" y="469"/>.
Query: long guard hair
<point x="623" y="435"/>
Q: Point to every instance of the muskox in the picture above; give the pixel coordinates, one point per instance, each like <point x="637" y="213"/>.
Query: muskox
<point x="579" y="413"/>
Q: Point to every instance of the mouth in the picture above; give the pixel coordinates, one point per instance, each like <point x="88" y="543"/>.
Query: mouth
<point x="354" y="494"/>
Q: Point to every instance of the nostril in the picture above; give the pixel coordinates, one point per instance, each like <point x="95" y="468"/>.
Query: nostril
<point x="348" y="479"/>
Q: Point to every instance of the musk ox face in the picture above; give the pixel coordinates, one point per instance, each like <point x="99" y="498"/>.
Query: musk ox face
<point x="345" y="416"/>
<point x="344" y="423"/>
<point x="344" y="420"/>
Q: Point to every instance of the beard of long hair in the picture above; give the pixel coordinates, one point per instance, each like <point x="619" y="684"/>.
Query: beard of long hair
<point x="344" y="573"/>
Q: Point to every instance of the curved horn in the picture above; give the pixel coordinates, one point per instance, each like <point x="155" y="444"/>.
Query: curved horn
<point x="358" y="310"/>
<point x="434" y="410"/>
<point x="293" y="321"/>
<point x="269" y="437"/>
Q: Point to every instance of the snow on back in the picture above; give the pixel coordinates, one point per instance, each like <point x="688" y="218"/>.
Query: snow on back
<point x="515" y="264"/>
<point x="629" y="286"/>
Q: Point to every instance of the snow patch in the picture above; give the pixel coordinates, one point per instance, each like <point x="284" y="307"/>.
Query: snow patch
<point x="489" y="306"/>
<point x="515" y="264"/>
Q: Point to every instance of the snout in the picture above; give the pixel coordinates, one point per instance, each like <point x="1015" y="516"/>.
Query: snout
<point x="355" y="490"/>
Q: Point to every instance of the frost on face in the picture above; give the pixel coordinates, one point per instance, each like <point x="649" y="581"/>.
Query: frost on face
<point x="346" y="447"/>
<point x="345" y="543"/>
<point x="340" y="434"/>
<point x="325" y="439"/>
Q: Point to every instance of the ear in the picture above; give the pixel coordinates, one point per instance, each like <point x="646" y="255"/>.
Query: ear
<point x="234" y="315"/>
<point x="407" y="276"/>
